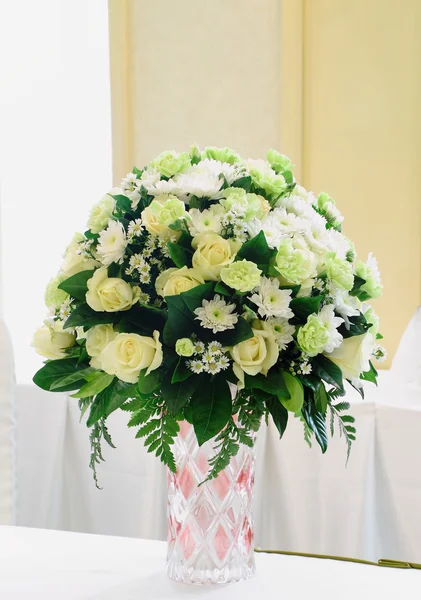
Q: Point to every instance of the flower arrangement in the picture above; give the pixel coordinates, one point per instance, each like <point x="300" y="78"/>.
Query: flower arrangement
<point x="204" y="270"/>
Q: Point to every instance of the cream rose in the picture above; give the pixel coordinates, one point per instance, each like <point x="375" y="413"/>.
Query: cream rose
<point x="255" y="355"/>
<point x="129" y="353"/>
<point x="97" y="338"/>
<point x="110" y="294"/>
<point x="151" y="218"/>
<point x="212" y="253"/>
<point x="353" y="355"/>
<point x="174" y="281"/>
<point x="74" y="262"/>
<point x="51" y="340"/>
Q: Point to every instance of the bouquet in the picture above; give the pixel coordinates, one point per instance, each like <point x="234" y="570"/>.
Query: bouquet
<point x="215" y="290"/>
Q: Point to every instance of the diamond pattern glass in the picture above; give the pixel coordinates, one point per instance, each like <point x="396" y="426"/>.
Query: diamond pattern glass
<point x="210" y="527"/>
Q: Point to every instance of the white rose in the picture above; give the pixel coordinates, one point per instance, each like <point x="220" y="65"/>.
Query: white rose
<point x="255" y="355"/>
<point x="112" y="243"/>
<point x="212" y="253"/>
<point x="353" y="355"/>
<point x="110" y="294"/>
<point x="101" y="213"/>
<point x="130" y="353"/>
<point x="51" y="340"/>
<point x="97" y="338"/>
<point x="75" y="262"/>
<point x="174" y="281"/>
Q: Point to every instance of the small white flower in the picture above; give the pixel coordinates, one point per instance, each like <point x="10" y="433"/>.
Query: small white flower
<point x="199" y="347"/>
<point x="271" y="301"/>
<point x="134" y="229"/>
<point x="144" y="278"/>
<point x="345" y="305"/>
<point x="213" y="367"/>
<point x="112" y="243"/>
<point x="144" y="298"/>
<point x="130" y="186"/>
<point x="216" y="314"/>
<point x="224" y="362"/>
<point x="196" y="366"/>
<point x="207" y="357"/>
<point x="64" y="310"/>
<point x="215" y="348"/>
<point x="331" y="322"/>
<point x="379" y="353"/>
<point x="283" y="332"/>
<point x="306" y="369"/>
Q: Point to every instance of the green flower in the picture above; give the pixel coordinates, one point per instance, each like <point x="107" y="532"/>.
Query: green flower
<point x="370" y="272"/>
<point x="234" y="196"/>
<point x="295" y="262"/>
<point x="170" y="163"/>
<point x="339" y="272"/>
<point x="101" y="213"/>
<point x="313" y="336"/>
<point x="54" y="297"/>
<point x="184" y="347"/>
<point x="167" y="211"/>
<point x="224" y="155"/>
<point x="327" y="207"/>
<point x="279" y="162"/>
<point x="373" y="319"/>
<point x="195" y="154"/>
<point x="242" y="275"/>
<point x="254" y="206"/>
<point x="267" y="180"/>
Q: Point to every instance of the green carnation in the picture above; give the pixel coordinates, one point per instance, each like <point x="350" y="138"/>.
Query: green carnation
<point x="170" y="163"/>
<point x="195" y="154"/>
<point x="54" y="297"/>
<point x="101" y="213"/>
<point x="279" y="162"/>
<point x="369" y="272"/>
<point x="295" y="262"/>
<point x="234" y="196"/>
<point x="184" y="347"/>
<point x="339" y="272"/>
<point x="327" y="207"/>
<point x="373" y="320"/>
<point x="242" y="275"/>
<point x="224" y="155"/>
<point x="169" y="210"/>
<point x="267" y="180"/>
<point x="313" y="336"/>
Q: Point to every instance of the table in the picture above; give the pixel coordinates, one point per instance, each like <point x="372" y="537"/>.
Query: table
<point x="38" y="564"/>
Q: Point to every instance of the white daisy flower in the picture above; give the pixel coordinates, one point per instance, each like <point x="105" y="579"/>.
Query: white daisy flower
<point x="271" y="301"/>
<point x="215" y="348"/>
<point x="224" y="362"/>
<point x="196" y="366"/>
<point x="216" y="314"/>
<point x="199" y="347"/>
<point x="306" y="369"/>
<point x="144" y="298"/>
<point x="213" y="367"/>
<point x="207" y="356"/>
<point x="130" y="186"/>
<point x="283" y="332"/>
<point x="112" y="243"/>
<point x="134" y="228"/>
<point x="331" y="322"/>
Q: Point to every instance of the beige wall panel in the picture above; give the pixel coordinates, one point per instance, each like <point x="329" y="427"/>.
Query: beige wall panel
<point x="204" y="72"/>
<point x="362" y="135"/>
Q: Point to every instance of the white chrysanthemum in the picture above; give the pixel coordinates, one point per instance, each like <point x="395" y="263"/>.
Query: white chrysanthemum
<point x="331" y="322"/>
<point x="202" y="185"/>
<point x="207" y="220"/>
<point x="299" y="207"/>
<point x="271" y="301"/>
<point x="216" y="314"/>
<point x="149" y="178"/>
<point x="308" y="197"/>
<point x="130" y="186"/>
<point x="373" y="265"/>
<point x="283" y="331"/>
<point x="166" y="187"/>
<point x="337" y="242"/>
<point x="112" y="243"/>
<point x="273" y="234"/>
<point x="345" y="305"/>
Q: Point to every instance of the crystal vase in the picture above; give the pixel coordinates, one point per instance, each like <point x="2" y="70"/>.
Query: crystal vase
<point x="210" y="526"/>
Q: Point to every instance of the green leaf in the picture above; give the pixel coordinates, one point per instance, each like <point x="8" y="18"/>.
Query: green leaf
<point x="137" y="172"/>
<point x="303" y="307"/>
<point x="221" y="288"/>
<point x="76" y="285"/>
<point x="199" y="203"/>
<point x="273" y="384"/>
<point x="70" y="379"/>
<point x="110" y="400"/>
<point x="176" y="395"/>
<point x="296" y="392"/>
<point x="256" y="250"/>
<point x="194" y="297"/>
<point x="328" y="371"/>
<point x="148" y="383"/>
<point x="84" y="315"/>
<point x="370" y="375"/>
<point x="321" y="398"/>
<point x="317" y="423"/>
<point x="379" y="336"/>
<point x="212" y="406"/>
<point x="358" y="282"/>
<point x="243" y="182"/>
<point x="278" y="413"/>
<point x="357" y="326"/>
<point x="310" y="381"/>
<point x="180" y="256"/>
<point x="54" y="370"/>
<point x="181" y="372"/>
<point x="142" y="319"/>
<point x="242" y="331"/>
<point x="294" y="289"/>
<point x="181" y="317"/>
<point x="123" y="203"/>
<point x="98" y="382"/>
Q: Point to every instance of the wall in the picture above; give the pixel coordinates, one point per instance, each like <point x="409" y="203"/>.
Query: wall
<point x="332" y="83"/>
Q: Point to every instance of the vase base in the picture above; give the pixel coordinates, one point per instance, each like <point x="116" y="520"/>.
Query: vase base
<point x="224" y="576"/>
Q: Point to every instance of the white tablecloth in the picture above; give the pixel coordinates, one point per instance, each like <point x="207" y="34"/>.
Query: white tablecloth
<point x="52" y="565"/>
